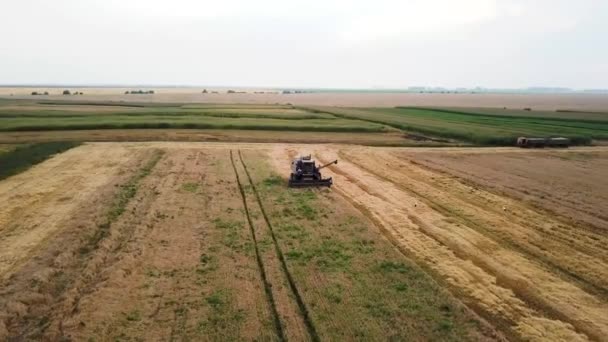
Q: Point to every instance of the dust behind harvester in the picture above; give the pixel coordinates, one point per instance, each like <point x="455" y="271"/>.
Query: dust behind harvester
<point x="305" y="173"/>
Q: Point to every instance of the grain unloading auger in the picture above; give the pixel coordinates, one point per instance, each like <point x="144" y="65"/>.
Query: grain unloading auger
<point x="305" y="173"/>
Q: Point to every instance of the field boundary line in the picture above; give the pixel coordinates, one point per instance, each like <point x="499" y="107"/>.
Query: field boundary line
<point x="303" y="309"/>
<point x="265" y="283"/>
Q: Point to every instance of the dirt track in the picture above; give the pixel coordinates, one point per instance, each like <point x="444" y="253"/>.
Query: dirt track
<point x="534" y="274"/>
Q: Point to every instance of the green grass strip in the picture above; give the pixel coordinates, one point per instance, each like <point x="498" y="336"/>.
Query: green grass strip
<point x="312" y="330"/>
<point x="124" y="196"/>
<point x="267" y="286"/>
<point x="477" y="112"/>
<point x="192" y="125"/>
<point x="481" y="130"/>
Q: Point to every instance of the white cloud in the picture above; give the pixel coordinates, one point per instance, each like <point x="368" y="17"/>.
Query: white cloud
<point x="310" y="43"/>
<point x="397" y="18"/>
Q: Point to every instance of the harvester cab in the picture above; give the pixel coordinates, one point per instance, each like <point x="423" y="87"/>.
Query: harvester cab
<point x="305" y="173"/>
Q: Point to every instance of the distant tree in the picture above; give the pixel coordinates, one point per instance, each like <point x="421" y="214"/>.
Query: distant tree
<point x="66" y="92"/>
<point x="204" y="91"/>
<point x="46" y="93"/>
<point x="81" y="93"/>
<point x="231" y="91"/>
<point x="34" y="93"/>
<point x="137" y="92"/>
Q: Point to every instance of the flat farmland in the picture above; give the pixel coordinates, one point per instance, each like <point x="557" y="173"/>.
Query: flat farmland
<point x="66" y="115"/>
<point x="352" y="98"/>
<point x="204" y="241"/>
<point x="23" y="121"/>
<point x="572" y="184"/>
<point x="529" y="270"/>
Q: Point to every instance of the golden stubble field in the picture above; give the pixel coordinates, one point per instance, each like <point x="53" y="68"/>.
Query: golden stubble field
<point x="199" y="241"/>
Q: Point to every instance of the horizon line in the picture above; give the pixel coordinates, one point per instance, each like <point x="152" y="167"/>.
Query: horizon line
<point x="378" y="89"/>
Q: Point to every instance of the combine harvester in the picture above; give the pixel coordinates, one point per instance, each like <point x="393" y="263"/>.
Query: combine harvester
<point x="305" y="173"/>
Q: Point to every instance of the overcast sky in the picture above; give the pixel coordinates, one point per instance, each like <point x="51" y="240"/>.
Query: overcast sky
<point x="312" y="43"/>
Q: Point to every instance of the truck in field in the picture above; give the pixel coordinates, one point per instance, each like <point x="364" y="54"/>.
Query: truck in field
<point x="526" y="142"/>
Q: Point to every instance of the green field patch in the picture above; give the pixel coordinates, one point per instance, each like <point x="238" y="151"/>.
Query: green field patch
<point x="87" y="116"/>
<point x="144" y="121"/>
<point x="223" y="319"/>
<point x="231" y="233"/>
<point x="133" y="316"/>
<point x="390" y="266"/>
<point x="482" y="127"/>
<point x="274" y="180"/>
<point x="328" y="255"/>
<point x="292" y="231"/>
<point x="190" y="187"/>
<point x="509" y="112"/>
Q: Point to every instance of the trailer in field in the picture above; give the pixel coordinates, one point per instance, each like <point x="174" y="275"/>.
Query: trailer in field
<point x="526" y="142"/>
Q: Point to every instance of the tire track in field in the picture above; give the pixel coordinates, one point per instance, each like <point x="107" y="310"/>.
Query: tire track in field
<point x="312" y="331"/>
<point x="266" y="283"/>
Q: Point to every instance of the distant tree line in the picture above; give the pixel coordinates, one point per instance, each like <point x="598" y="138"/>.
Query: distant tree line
<point x="294" y="92"/>
<point x="65" y="92"/>
<point x="139" y="92"/>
